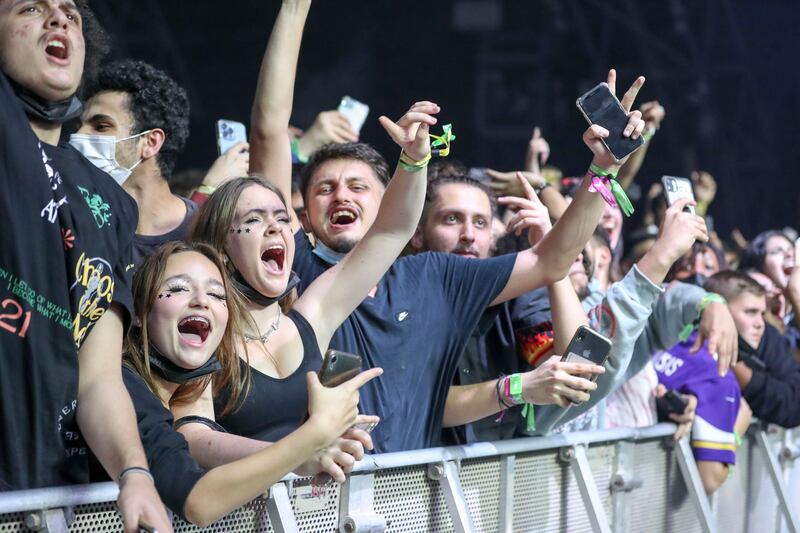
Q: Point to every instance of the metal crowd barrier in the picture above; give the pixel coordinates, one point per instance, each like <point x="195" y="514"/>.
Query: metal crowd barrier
<point x="616" y="480"/>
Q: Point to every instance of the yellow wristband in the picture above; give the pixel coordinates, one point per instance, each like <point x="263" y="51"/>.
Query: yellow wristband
<point x="206" y="189"/>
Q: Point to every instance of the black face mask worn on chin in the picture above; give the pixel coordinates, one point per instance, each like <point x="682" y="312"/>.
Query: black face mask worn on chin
<point x="254" y="296"/>
<point x="176" y="374"/>
<point x="55" y="112"/>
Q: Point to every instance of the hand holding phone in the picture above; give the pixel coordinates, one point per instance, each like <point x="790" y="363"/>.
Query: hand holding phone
<point x="587" y="346"/>
<point x="599" y="106"/>
<point x="672" y="402"/>
<point x="355" y="112"/>
<point x="338" y="367"/>
<point x="229" y="134"/>
<point x="676" y="188"/>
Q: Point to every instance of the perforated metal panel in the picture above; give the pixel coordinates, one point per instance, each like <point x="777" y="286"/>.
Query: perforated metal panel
<point x="410" y="501"/>
<point x="11" y="523"/>
<point x="322" y="520"/>
<point x="546" y="495"/>
<point x="480" y="481"/>
<point x="662" y="502"/>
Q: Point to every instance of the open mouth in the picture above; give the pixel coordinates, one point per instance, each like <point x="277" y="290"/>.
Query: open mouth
<point x="57" y="47"/>
<point x="194" y="329"/>
<point x="343" y="216"/>
<point x="274" y="257"/>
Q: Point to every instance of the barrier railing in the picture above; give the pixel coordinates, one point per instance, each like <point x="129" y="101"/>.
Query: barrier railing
<point x="611" y="480"/>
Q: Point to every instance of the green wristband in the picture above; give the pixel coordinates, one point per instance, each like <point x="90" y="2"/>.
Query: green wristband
<point x="603" y="173"/>
<point x="515" y="389"/>
<point x="709" y="299"/>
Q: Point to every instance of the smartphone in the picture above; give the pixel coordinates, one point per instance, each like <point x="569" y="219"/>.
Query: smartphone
<point x="355" y="112"/>
<point x="587" y="346"/>
<point x="676" y="188"/>
<point x="671" y="402"/>
<point x="600" y="106"/>
<point x="338" y="367"/>
<point x="368" y="427"/>
<point x="229" y="133"/>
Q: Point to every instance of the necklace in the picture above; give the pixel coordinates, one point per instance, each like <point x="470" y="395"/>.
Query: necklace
<point x="269" y="333"/>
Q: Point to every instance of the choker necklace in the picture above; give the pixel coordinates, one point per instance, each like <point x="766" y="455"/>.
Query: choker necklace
<point x="238" y="281"/>
<point x="270" y="332"/>
<point x="176" y="374"/>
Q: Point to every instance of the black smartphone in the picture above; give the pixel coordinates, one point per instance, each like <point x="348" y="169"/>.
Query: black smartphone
<point x="600" y="106"/>
<point x="671" y="402"/>
<point x="676" y="188"/>
<point x="587" y="346"/>
<point x="338" y="367"/>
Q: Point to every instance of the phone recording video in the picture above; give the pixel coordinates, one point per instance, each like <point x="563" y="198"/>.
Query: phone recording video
<point x="600" y="106"/>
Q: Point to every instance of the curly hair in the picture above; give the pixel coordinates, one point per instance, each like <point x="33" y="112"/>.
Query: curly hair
<point x="98" y="43"/>
<point x="155" y="101"/>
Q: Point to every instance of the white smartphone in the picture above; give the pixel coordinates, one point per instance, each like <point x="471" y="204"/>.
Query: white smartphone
<point x="229" y="133"/>
<point x="676" y="188"/>
<point x="355" y="112"/>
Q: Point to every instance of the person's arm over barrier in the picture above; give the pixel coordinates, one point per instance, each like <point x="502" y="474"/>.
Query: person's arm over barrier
<point x="108" y="423"/>
<point x="623" y="314"/>
<point x="773" y="392"/>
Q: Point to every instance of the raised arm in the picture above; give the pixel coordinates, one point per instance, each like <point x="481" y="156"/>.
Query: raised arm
<point x="329" y="300"/>
<point x="551" y="259"/>
<point x="107" y="421"/>
<point x="652" y="114"/>
<point x="270" y="146"/>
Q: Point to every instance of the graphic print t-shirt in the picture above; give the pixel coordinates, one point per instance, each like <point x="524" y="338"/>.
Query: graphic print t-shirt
<point x="66" y="241"/>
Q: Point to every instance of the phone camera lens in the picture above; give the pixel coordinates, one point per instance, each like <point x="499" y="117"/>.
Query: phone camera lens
<point x="333" y="359"/>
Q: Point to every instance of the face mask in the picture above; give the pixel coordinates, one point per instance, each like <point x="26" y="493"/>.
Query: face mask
<point x="55" y="112"/>
<point x="101" y="150"/>
<point x="238" y="281"/>
<point x="326" y="254"/>
<point x="176" y="374"/>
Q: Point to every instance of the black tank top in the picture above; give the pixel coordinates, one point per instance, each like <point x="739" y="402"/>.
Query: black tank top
<point x="274" y="407"/>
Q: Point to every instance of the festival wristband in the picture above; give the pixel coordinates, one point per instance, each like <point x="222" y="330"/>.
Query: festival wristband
<point x="411" y="165"/>
<point x="444" y="139"/>
<point x="132" y="469"/>
<point x="648" y="134"/>
<point x="530" y="419"/>
<point x="515" y="389"/>
<point x="208" y="190"/>
<point x="704" y="302"/>
<point x="602" y="180"/>
<point x="738" y="439"/>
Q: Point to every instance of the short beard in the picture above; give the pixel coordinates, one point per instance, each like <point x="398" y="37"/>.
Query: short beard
<point x="342" y="245"/>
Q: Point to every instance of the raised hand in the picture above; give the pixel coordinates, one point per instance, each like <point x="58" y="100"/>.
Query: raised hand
<point x="529" y="214"/>
<point x="328" y="127"/>
<point x="679" y="231"/>
<point x="653" y="114"/>
<point x="593" y="136"/>
<point x="507" y="183"/>
<point x="232" y="164"/>
<point x="411" y="132"/>
<point x="555" y="381"/>
<point x="538" y="152"/>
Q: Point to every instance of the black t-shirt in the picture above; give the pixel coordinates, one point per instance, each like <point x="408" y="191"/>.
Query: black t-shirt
<point x="415" y="327"/>
<point x="173" y="468"/>
<point x="144" y="245"/>
<point x="286" y="399"/>
<point x="66" y="242"/>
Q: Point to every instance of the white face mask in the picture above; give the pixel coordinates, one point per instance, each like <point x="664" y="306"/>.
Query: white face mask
<point x="101" y="150"/>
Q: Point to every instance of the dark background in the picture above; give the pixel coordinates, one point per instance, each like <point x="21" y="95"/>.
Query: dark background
<point x="726" y="72"/>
